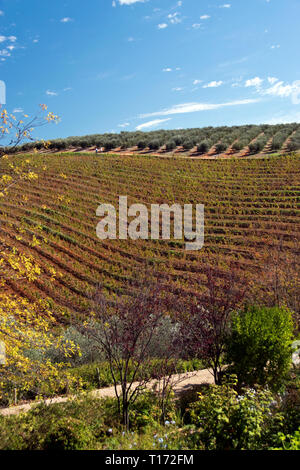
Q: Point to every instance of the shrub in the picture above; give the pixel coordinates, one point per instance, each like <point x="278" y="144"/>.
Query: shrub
<point x="290" y="402"/>
<point x="188" y="144"/>
<point x="178" y="139"/>
<point x="228" y="421"/>
<point x="170" y="145"/>
<point x="154" y="145"/>
<point x="203" y="147"/>
<point x="259" y="346"/>
<point x="142" y="144"/>
<point x="221" y="147"/>
<point x="68" y="434"/>
<point x="289" y="442"/>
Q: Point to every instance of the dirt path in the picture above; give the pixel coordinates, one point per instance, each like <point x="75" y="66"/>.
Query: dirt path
<point x="182" y="382"/>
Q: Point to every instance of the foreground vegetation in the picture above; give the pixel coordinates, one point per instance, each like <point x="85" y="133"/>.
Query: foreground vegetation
<point x="210" y="418"/>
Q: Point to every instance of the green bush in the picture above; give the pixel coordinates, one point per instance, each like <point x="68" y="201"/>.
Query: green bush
<point x="289" y="442"/>
<point x="290" y="402"/>
<point x="259" y="346"/>
<point x="228" y="421"/>
<point x="188" y="144"/>
<point x="154" y="145"/>
<point x="221" y="147"/>
<point x="68" y="434"/>
<point x="203" y="147"/>
<point x="170" y="145"/>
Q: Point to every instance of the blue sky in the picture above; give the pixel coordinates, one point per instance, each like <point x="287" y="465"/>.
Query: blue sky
<point x="110" y="66"/>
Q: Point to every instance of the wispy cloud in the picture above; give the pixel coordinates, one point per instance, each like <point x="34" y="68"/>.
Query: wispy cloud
<point x="151" y="124"/>
<point x="130" y="2"/>
<point x="213" y="84"/>
<point x="51" y="93"/>
<point x="197" y="107"/>
<point x="8" y="38"/>
<point x="276" y="88"/>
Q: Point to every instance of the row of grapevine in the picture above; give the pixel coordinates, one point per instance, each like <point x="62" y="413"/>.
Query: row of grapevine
<point x="251" y="208"/>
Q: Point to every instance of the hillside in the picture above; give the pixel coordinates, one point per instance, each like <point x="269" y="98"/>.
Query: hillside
<point x="238" y="141"/>
<point x="252" y="219"/>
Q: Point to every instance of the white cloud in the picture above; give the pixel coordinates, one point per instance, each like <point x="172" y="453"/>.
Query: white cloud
<point x="1" y="13"/>
<point x="130" y="2"/>
<point x="18" y="110"/>
<point x="213" y="84"/>
<point x="204" y="17"/>
<point x="173" y="17"/>
<point x="196" y="82"/>
<point x="196" y="107"/>
<point x="226" y="5"/>
<point x="51" y="93"/>
<point x="150" y="124"/>
<point x="162" y="25"/>
<point x="275" y="46"/>
<point x="167" y="69"/>
<point x="125" y="124"/>
<point x="66" y="20"/>
<point x="196" y="25"/>
<point x="177" y="89"/>
<point x="278" y="88"/>
<point x="5" y="53"/>
<point x="282" y="90"/>
<point x="255" y="82"/>
<point x="8" y="38"/>
<point x="272" y="80"/>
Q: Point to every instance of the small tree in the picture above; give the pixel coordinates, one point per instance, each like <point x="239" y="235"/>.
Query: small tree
<point x="203" y="147"/>
<point x="14" y="131"/>
<point x="142" y="144"/>
<point x="127" y="329"/>
<point x="154" y="144"/>
<point x="260" y="345"/>
<point x="208" y="318"/>
<point x="221" y="147"/>
<point x="170" y="145"/>
<point x="24" y="326"/>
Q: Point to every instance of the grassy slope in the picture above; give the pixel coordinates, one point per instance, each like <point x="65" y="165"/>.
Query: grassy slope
<point x="250" y="207"/>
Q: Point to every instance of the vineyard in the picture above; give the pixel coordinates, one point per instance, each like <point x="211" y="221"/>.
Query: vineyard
<point x="252" y="220"/>
<point x="208" y="141"/>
